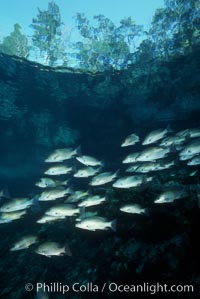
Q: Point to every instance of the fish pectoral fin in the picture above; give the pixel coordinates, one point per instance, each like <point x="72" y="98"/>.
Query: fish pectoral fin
<point x="113" y="225"/>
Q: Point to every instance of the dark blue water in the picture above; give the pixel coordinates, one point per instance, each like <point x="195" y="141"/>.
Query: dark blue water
<point x="43" y="110"/>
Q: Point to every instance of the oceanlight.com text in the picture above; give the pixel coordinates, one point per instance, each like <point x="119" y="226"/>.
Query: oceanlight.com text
<point x="57" y="287"/>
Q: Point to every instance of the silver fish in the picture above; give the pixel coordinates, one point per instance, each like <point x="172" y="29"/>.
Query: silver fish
<point x="194" y="161"/>
<point x="193" y="173"/>
<point x="165" y="165"/>
<point x="86" y="172"/>
<point x="131" y="181"/>
<point x="85" y="215"/>
<point x="89" y="161"/>
<point x="24" y="242"/>
<point x="76" y="196"/>
<point x="95" y="223"/>
<point x="191" y="133"/>
<point x="185" y="157"/>
<point x="11" y="216"/>
<point x="58" y="170"/>
<point x="130" y="140"/>
<point x="153" y="153"/>
<point x="62" y="154"/>
<point x="193" y="148"/>
<point x="146" y="167"/>
<point x="61" y="210"/>
<point x="52" y="248"/>
<point x="16" y="204"/>
<point x="171" y="195"/>
<point x="183" y="133"/>
<point x="177" y="140"/>
<point x="92" y="201"/>
<point x="50" y="183"/>
<point x="53" y="194"/>
<point x="131" y="158"/>
<point x="133" y="168"/>
<point x="133" y="209"/>
<point x="103" y="178"/>
<point x="154" y="136"/>
<point x="47" y="219"/>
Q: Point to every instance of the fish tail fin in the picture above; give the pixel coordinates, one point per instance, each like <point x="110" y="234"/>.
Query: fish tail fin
<point x="169" y="129"/>
<point x="35" y="204"/>
<point x="70" y="190"/>
<point x="4" y="193"/>
<point x="187" y="138"/>
<point x="102" y="164"/>
<point x="176" y="163"/>
<point x="78" y="151"/>
<point x="74" y="168"/>
<point x="100" y="168"/>
<point x="67" y="250"/>
<point x="173" y="148"/>
<point x="146" y="212"/>
<point x="90" y="192"/>
<point x="107" y="196"/>
<point x="144" y="179"/>
<point x="116" y="174"/>
<point x="65" y="182"/>
<point x="113" y="225"/>
<point x="82" y="211"/>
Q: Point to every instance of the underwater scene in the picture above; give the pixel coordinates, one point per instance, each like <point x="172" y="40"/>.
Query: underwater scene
<point x="100" y="149"/>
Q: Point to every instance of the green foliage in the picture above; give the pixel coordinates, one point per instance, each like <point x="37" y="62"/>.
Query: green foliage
<point x="175" y="28"/>
<point x="105" y="46"/>
<point x="47" y="35"/>
<point x="16" y="43"/>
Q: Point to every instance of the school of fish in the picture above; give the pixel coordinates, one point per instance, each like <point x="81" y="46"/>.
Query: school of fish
<point x="160" y="150"/>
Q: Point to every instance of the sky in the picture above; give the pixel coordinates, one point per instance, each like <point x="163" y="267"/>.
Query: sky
<point x="22" y="11"/>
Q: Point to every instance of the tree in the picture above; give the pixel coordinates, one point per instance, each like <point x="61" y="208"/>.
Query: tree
<point x="16" y="43"/>
<point x="47" y="33"/>
<point x="175" y="28"/>
<point x="105" y="46"/>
